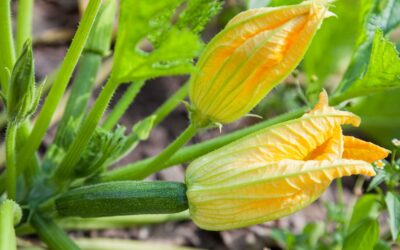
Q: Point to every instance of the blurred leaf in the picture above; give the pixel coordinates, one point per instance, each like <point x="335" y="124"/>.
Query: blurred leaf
<point x="367" y="206"/>
<point x="377" y="180"/>
<point x="382" y="245"/>
<point x="150" y="44"/>
<point x="314" y="231"/>
<point x="380" y="116"/>
<point x="284" y="238"/>
<point x="384" y="15"/>
<point x="363" y="237"/>
<point x="393" y="206"/>
<point x="382" y="73"/>
<point x="332" y="45"/>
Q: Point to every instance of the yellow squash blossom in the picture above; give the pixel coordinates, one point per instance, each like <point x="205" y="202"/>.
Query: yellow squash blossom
<point x="257" y="49"/>
<point x="278" y="170"/>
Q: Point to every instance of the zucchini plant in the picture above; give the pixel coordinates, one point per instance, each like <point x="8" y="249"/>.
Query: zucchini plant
<point x="255" y="174"/>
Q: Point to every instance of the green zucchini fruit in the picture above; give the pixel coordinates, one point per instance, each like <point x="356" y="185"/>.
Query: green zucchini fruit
<point x="123" y="198"/>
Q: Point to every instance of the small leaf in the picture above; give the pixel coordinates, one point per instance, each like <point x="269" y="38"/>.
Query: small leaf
<point x="377" y="180"/>
<point x="363" y="237"/>
<point x="314" y="231"/>
<point x="393" y="206"/>
<point x="367" y="206"/>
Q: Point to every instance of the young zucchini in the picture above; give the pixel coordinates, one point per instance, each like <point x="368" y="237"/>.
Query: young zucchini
<point x="123" y="198"/>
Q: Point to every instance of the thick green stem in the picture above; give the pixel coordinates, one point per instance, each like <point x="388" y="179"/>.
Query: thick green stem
<point x="7" y="55"/>
<point x="24" y="22"/>
<point x="60" y="84"/>
<point x="11" y="171"/>
<point x="7" y="234"/>
<point x="141" y="170"/>
<point x="122" y="105"/>
<point x="33" y="168"/>
<point x="166" y="108"/>
<point x="51" y="234"/>
<point x="66" y="167"/>
<point x="189" y="153"/>
<point x="89" y="65"/>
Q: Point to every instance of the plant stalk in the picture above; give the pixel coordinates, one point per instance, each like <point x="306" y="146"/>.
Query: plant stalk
<point x="122" y="105"/>
<point x="51" y="234"/>
<point x="140" y="171"/>
<point x="7" y="234"/>
<point x="7" y="55"/>
<point x="11" y="171"/>
<point x="24" y="22"/>
<point x="66" y="167"/>
<point x="60" y="84"/>
<point x="187" y="154"/>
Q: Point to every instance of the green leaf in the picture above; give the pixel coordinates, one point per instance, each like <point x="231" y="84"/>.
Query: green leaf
<point x="377" y="180"/>
<point x="149" y="45"/>
<point x="103" y="146"/>
<point x="314" y="231"/>
<point x="393" y="206"/>
<point x="377" y="14"/>
<point x="380" y="116"/>
<point x="332" y="46"/>
<point x="382" y="245"/>
<point x="383" y="71"/>
<point x="367" y="206"/>
<point x="363" y="237"/>
<point x="198" y="13"/>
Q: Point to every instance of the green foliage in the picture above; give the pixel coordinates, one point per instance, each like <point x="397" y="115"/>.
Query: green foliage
<point x="332" y="46"/>
<point x="198" y="13"/>
<point x="382" y="72"/>
<point x="157" y="46"/>
<point x="375" y="15"/>
<point x="100" y="36"/>
<point x="393" y="206"/>
<point x="368" y="206"/>
<point x="102" y="146"/>
<point x="364" y="236"/>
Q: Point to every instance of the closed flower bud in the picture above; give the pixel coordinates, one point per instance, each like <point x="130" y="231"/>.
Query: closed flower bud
<point x="22" y="96"/>
<point x="257" y="49"/>
<point x="276" y="171"/>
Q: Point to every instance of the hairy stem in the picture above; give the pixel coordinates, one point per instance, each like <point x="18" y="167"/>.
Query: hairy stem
<point x="66" y="167"/>
<point x="60" y="84"/>
<point x="122" y="105"/>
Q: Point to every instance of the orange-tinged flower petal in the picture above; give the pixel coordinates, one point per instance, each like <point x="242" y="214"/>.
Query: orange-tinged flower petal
<point x="357" y="149"/>
<point x="296" y="139"/>
<point x="275" y="171"/>
<point x="264" y="192"/>
<point x="256" y="51"/>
